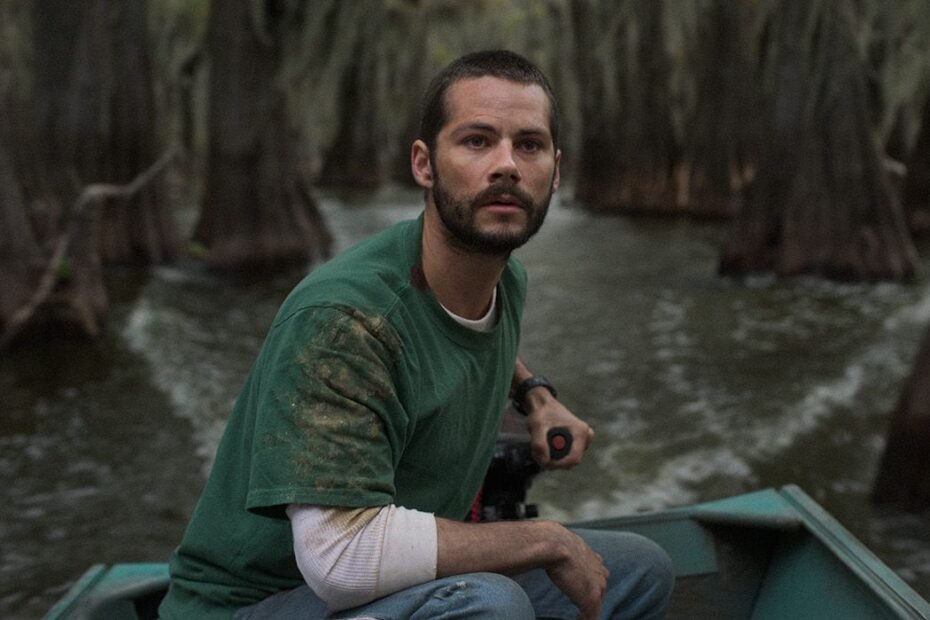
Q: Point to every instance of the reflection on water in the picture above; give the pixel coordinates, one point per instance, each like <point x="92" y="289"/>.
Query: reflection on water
<point x="698" y="387"/>
<point x="95" y="468"/>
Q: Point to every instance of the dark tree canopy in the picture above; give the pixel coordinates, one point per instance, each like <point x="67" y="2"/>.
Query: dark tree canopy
<point x="775" y="112"/>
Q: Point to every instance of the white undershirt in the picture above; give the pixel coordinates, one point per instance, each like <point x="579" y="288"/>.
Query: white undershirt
<point x="485" y="323"/>
<point x="349" y="556"/>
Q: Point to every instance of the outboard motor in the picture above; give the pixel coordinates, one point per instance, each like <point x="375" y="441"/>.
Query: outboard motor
<point x="503" y="495"/>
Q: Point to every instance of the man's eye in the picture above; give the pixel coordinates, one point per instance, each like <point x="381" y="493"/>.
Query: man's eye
<point x="476" y="141"/>
<point x="531" y="146"/>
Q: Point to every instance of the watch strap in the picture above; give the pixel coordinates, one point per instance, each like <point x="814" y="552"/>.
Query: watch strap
<point x="519" y="394"/>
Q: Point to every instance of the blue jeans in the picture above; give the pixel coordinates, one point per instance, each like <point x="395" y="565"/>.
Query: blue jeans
<point x="639" y="586"/>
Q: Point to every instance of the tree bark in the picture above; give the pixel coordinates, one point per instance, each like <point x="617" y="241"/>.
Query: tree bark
<point x="904" y="472"/>
<point x="20" y="252"/>
<point x="97" y="117"/>
<point x="143" y="230"/>
<point x="821" y="201"/>
<point x="31" y="214"/>
<point x="916" y="193"/>
<point x="409" y="77"/>
<point x="356" y="158"/>
<point x="64" y="290"/>
<point x="627" y="147"/>
<point x="257" y="210"/>
<point x="717" y="161"/>
<point x="55" y="37"/>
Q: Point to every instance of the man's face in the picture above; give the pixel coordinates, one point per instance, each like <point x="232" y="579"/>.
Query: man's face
<point x="494" y="166"/>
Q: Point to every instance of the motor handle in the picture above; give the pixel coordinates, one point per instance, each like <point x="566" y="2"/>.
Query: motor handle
<point x="560" y="442"/>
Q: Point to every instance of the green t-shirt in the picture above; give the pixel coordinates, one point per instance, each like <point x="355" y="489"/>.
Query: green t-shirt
<point x="365" y="393"/>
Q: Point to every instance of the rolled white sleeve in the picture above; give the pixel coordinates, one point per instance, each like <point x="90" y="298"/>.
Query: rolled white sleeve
<point x="349" y="556"/>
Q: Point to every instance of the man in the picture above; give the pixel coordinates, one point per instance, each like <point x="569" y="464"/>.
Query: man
<point x="364" y="429"/>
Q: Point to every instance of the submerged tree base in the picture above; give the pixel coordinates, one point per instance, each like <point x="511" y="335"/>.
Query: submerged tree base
<point x="295" y="233"/>
<point x="904" y="473"/>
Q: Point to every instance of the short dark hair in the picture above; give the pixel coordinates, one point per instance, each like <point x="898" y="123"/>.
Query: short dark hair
<point x="502" y="64"/>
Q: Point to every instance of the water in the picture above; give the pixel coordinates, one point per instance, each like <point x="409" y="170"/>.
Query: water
<point x="698" y="387"/>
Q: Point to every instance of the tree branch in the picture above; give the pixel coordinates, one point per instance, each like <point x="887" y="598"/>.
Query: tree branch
<point x="90" y="195"/>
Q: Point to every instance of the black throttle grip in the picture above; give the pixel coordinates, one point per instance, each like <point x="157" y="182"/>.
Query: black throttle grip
<point x="560" y="442"/>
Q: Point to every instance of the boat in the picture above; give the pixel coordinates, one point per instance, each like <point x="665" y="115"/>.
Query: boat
<point x="770" y="554"/>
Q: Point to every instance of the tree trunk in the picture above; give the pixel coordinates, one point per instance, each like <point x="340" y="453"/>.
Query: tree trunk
<point x="409" y="76"/>
<point x="55" y="37"/>
<point x="257" y="210"/>
<point x="375" y="54"/>
<point x="716" y="166"/>
<point x="39" y="286"/>
<point x="75" y="299"/>
<point x="627" y="149"/>
<point x="21" y="257"/>
<point x="821" y="201"/>
<point x="80" y="297"/>
<point x="916" y="193"/>
<point x="599" y="153"/>
<point x="904" y="472"/>
<point x="97" y="114"/>
<point x="142" y="230"/>
<point x="356" y="157"/>
<point x="61" y="289"/>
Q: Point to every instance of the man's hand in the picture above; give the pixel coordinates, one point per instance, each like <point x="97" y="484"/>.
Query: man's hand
<point x="581" y="576"/>
<point x="513" y="547"/>
<point x="547" y="413"/>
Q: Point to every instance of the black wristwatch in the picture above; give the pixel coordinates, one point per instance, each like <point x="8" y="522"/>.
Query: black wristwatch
<point x="525" y="386"/>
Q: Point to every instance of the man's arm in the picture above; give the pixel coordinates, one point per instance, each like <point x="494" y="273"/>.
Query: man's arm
<point x="345" y="565"/>
<point x="349" y="556"/>
<point x="513" y="547"/>
<point x="544" y="411"/>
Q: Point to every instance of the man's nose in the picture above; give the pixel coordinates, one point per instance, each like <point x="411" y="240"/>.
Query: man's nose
<point x="505" y="165"/>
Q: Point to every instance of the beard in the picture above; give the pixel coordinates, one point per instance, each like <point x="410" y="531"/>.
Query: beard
<point x="459" y="215"/>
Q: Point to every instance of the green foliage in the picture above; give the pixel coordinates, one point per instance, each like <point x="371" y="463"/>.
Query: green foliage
<point x="197" y="250"/>
<point x="63" y="270"/>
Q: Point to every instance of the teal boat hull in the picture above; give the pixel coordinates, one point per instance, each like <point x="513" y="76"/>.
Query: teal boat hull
<point x="772" y="554"/>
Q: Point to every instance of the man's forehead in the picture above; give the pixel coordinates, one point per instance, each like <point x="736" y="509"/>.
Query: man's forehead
<point x="492" y="95"/>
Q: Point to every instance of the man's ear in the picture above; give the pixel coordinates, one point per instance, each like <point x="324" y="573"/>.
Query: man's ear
<point x="420" y="164"/>
<point x="557" y="175"/>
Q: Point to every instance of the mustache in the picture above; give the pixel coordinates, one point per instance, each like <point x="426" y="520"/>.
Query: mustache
<point x="496" y="192"/>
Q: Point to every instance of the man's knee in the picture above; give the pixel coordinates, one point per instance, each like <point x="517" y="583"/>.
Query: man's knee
<point x="641" y="572"/>
<point x="658" y="574"/>
<point x="484" y="595"/>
